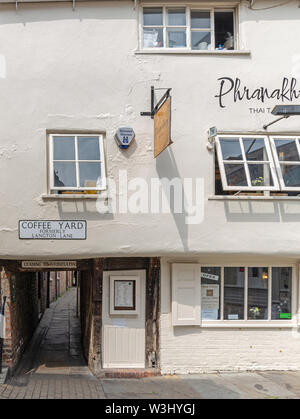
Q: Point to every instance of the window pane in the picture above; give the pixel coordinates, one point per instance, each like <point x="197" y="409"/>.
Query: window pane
<point x="210" y="293"/>
<point x="200" y="20"/>
<point x="231" y="149"/>
<point x="89" y="174"/>
<point x="88" y="148"/>
<point x="286" y="150"/>
<point x="224" y="35"/>
<point x="176" y="17"/>
<point x="255" y="149"/>
<point x="64" y="174"/>
<point x="201" y="40"/>
<point x="260" y="175"/>
<point x="63" y="148"/>
<point x="176" y="38"/>
<point x="291" y="174"/>
<point x="235" y="174"/>
<point x="258" y="293"/>
<point x="234" y="283"/>
<point x="281" y="293"/>
<point x="153" y="16"/>
<point x="153" y="37"/>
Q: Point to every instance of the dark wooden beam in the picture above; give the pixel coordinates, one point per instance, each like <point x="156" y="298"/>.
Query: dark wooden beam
<point x="152" y="312"/>
<point x="115" y="264"/>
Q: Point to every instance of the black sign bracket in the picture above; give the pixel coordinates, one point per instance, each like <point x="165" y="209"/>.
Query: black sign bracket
<point x="161" y="101"/>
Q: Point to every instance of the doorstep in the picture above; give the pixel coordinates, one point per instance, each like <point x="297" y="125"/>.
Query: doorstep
<point x="129" y="373"/>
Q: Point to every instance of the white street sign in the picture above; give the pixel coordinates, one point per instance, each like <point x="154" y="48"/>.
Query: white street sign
<point x="52" y="230"/>
<point x="56" y="264"/>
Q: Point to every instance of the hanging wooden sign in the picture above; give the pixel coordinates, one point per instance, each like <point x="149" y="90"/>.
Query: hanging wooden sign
<point x="162" y="127"/>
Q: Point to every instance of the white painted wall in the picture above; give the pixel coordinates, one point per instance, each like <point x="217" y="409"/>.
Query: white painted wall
<point x="197" y="349"/>
<point x="64" y="69"/>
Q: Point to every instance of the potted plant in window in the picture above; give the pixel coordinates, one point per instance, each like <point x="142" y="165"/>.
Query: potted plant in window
<point x="255" y="312"/>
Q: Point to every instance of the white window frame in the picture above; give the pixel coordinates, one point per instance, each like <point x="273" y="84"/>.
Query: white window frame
<point x="188" y="7"/>
<point x="249" y="322"/>
<point x="246" y="163"/>
<point x="101" y="162"/>
<point x="287" y="162"/>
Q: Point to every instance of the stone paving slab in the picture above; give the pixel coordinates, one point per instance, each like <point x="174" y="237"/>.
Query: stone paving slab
<point x="53" y="368"/>
<point x="244" y="385"/>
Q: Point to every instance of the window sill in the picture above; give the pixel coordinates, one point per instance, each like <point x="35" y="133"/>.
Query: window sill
<point x="252" y="198"/>
<point x="249" y="324"/>
<point x="190" y="52"/>
<point x="73" y="196"/>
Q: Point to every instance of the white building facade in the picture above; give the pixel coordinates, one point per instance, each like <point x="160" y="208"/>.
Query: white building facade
<point x="221" y="212"/>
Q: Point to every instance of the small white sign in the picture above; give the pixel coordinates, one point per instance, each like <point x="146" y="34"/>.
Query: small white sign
<point x="119" y="322"/>
<point x="124" y="296"/>
<point x="209" y="314"/>
<point x="210" y="296"/>
<point x="56" y="264"/>
<point x="52" y="230"/>
<point x="2" y="326"/>
<point x="233" y="316"/>
<point x="209" y="276"/>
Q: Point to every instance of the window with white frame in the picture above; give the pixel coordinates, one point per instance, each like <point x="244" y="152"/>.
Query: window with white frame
<point x="190" y="28"/>
<point x="76" y="163"/>
<point x="286" y="152"/>
<point x="257" y="163"/>
<point x="246" y="163"/>
<point x="232" y="293"/>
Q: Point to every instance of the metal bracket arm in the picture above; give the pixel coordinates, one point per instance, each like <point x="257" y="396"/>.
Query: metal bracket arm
<point x="161" y="101"/>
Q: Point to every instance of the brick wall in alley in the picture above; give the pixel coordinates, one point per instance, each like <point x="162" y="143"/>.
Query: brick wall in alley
<point x="21" y="314"/>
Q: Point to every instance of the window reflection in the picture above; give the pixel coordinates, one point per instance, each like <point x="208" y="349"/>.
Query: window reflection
<point x="234" y="283"/>
<point x="236" y="175"/>
<point x="281" y="293"/>
<point x="258" y="293"/>
<point x="255" y="149"/>
<point x="210" y="293"/>
<point x="286" y="150"/>
<point x="65" y="174"/>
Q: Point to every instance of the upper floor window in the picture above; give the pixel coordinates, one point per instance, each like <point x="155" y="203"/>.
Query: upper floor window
<point x="188" y="28"/>
<point x="257" y="163"/>
<point x="76" y="163"/>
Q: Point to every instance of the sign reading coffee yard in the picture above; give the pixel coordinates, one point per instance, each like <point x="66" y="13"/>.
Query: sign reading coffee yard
<point x="52" y="230"/>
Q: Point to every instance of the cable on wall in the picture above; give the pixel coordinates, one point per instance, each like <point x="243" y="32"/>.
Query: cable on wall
<point x="251" y="4"/>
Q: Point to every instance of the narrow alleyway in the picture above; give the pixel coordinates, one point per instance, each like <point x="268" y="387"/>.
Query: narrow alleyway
<point x="53" y="365"/>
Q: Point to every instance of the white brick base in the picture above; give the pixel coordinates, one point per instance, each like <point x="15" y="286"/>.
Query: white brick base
<point x="192" y="349"/>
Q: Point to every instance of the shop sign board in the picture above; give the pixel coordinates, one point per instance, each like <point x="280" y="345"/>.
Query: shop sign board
<point x="52" y="230"/>
<point x="54" y="264"/>
<point x="162" y="127"/>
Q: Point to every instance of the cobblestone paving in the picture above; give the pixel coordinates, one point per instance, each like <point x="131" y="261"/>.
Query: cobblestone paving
<point x="53" y="366"/>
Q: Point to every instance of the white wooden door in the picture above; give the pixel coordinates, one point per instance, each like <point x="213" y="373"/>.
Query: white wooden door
<point x="123" y="333"/>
